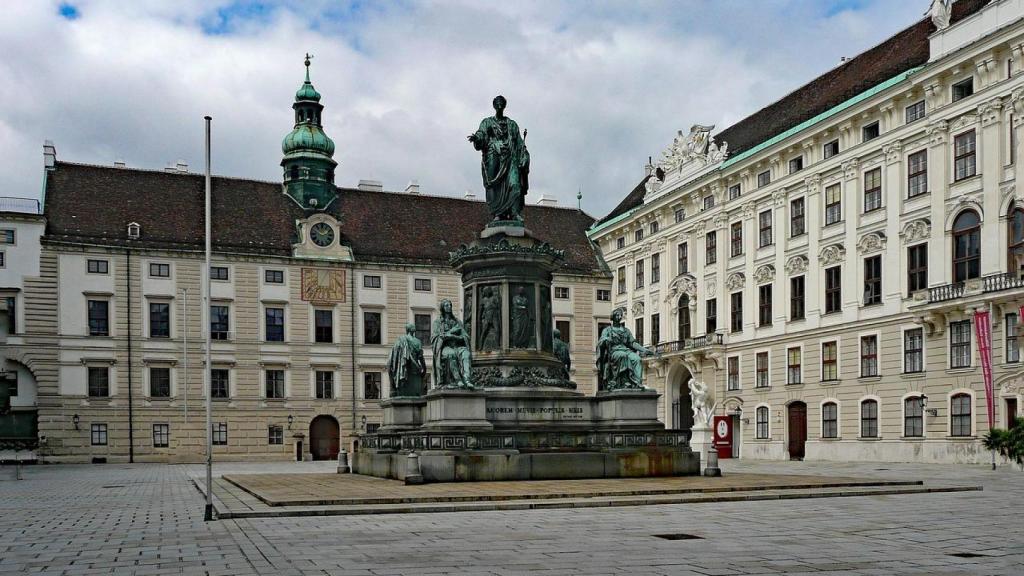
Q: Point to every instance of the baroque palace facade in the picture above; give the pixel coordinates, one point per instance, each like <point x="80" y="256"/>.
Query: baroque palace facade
<point x="310" y="286"/>
<point x="819" y="264"/>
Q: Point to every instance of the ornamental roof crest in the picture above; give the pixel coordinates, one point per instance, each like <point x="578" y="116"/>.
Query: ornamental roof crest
<point x="690" y="152"/>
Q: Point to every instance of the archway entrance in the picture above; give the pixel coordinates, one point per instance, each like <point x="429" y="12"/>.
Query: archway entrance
<point x="797" y="432"/>
<point x="682" y="406"/>
<point x="324" y="438"/>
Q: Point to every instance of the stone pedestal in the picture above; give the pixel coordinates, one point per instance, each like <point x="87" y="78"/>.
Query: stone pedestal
<point x="625" y="409"/>
<point x="701" y="441"/>
<point x="456" y="410"/>
<point x="402" y="413"/>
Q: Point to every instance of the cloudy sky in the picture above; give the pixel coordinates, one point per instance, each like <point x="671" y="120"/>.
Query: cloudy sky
<point x="599" y="85"/>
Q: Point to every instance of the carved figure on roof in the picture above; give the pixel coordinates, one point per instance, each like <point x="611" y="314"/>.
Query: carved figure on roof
<point x="939" y="11"/>
<point x="505" y="163"/>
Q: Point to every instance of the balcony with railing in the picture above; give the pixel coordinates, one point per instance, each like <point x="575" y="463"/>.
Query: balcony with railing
<point x="16" y="204"/>
<point x="689" y="344"/>
<point x="984" y="285"/>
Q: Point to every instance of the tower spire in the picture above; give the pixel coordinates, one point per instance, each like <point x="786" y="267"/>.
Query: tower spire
<point x="308" y="57"/>
<point x="308" y="161"/>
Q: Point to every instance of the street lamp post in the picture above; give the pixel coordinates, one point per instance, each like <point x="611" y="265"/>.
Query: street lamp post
<point x="206" y="331"/>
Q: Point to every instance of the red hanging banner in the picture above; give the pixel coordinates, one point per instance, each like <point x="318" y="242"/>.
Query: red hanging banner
<point x="983" y="329"/>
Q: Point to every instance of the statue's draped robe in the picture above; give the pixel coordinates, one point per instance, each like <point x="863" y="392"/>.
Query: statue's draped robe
<point x="618" y="359"/>
<point x="522" y="323"/>
<point x="490" y="322"/>
<point x="562" y="353"/>
<point x="505" y="166"/>
<point x="450" y="344"/>
<point x="406" y="366"/>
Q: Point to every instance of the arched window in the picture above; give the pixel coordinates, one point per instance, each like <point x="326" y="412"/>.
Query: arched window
<point x="966" y="246"/>
<point x="960" y="415"/>
<point x="913" y="417"/>
<point x="684" y="317"/>
<point x="869" y="419"/>
<point x="1015" y="240"/>
<point x="762" y="422"/>
<point x="829" y="420"/>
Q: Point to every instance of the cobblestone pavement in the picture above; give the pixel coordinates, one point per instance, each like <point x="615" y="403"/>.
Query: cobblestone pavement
<point x="147" y="519"/>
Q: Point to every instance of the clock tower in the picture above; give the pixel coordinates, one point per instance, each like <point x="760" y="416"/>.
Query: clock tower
<point x="308" y="161"/>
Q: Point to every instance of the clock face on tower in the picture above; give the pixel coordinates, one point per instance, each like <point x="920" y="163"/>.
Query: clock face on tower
<point x="321" y="234"/>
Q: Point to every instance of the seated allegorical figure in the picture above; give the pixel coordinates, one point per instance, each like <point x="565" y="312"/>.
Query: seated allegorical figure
<point x="450" y="343"/>
<point x="619" y="356"/>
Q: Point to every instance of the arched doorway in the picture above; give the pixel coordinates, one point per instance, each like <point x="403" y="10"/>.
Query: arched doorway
<point x="797" y="430"/>
<point x="682" y="405"/>
<point x="324" y="438"/>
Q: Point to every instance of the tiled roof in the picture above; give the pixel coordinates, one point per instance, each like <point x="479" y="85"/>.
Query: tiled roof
<point x="905" y="50"/>
<point x="95" y="204"/>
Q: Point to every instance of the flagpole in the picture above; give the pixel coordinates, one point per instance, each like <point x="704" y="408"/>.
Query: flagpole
<point x="207" y="392"/>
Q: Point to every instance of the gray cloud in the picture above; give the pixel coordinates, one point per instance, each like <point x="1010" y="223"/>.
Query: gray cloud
<point x="599" y="85"/>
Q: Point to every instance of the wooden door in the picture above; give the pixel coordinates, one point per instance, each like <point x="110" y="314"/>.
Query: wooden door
<point x="1011" y="411"/>
<point x="797" y="430"/>
<point x="324" y="438"/>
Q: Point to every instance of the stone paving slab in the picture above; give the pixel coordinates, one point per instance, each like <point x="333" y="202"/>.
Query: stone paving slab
<point x="353" y="489"/>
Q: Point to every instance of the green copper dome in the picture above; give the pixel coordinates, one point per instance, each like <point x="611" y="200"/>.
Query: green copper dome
<point x="307" y="138"/>
<point x="308" y="166"/>
<point x="307" y="92"/>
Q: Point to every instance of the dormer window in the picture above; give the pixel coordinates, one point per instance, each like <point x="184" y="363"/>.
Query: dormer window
<point x="134" y="230"/>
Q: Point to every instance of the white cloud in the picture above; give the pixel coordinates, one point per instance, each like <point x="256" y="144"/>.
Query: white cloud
<point x="599" y="86"/>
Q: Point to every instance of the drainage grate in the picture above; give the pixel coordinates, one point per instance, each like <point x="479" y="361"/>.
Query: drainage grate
<point x="678" y="537"/>
<point x="967" y="555"/>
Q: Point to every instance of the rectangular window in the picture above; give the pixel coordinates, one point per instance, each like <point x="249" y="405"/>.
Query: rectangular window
<point x="98" y="434"/>
<point x="762" y="423"/>
<point x="422" y="322"/>
<point x="275" y="435"/>
<point x="7" y="236"/>
<point x="736" y="305"/>
<point x="161" y="435"/>
<point x="709" y="202"/>
<point x="680" y="215"/>
<point x="639" y="329"/>
<point x="761" y="372"/>
<point x="868" y="356"/>
<point x="564" y="330"/>
<point x="796" y="164"/>
<point x="371" y="328"/>
<point x="734" y="372"/>
<point x="913" y="351"/>
<point x="829" y="420"/>
<point x="99" y="318"/>
<point x="829" y="361"/>
<point x="324" y="381"/>
<point x="764" y="305"/>
<point x="370" y="281"/>
<point x="220" y="383"/>
<point x="917" y="268"/>
<point x="323" y="325"/>
<point x="683" y="257"/>
<point x="736" y="239"/>
<point x="98" y="267"/>
<point x="562" y="292"/>
<point x="869" y="132"/>
<point x="421" y="284"/>
<point x="913" y="417"/>
<point x="797" y="222"/>
<point x="275" y="324"/>
<point x="273" y="276"/>
<point x="622" y="280"/>
<point x="794" y="366"/>
<point x="869" y="419"/>
<point x="833" y="204"/>
<point x="735" y="191"/>
<point x="99" y="381"/>
<point x="656" y="268"/>
<point x="833" y="290"/>
<point x="12" y="313"/>
<point x="638" y="235"/>
<point x="655" y="329"/>
<point x="639" y="274"/>
<point x="710" y="315"/>
<point x="872" y="190"/>
<point x="219" y="321"/>
<point x="157" y="270"/>
<point x="764" y="178"/>
<point x="160" y="382"/>
<point x="710" y="248"/>
<point x="220" y="434"/>
<point x="654" y="227"/>
<point x="218" y="272"/>
<point x="620" y="242"/>
<point x="1012" y="347"/>
<point x="830" y="149"/>
<point x="964" y="156"/>
<point x="960" y="344"/>
<point x="796" y="298"/>
<point x="872" y="280"/>
<point x="963" y="89"/>
<point x="274" y="383"/>
<point x="371" y="385"/>
<point x="159" y="320"/>
<point x="372" y="427"/>
<point x="960" y="415"/>
<point x="915" y="112"/>
<point x="917" y="174"/>
<point x="604" y="295"/>
<point x="764" y="227"/>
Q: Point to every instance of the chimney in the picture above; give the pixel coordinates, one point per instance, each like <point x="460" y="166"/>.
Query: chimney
<point x="469" y="195"/>
<point x="181" y="166"/>
<point x="119" y="163"/>
<point x="413" y="187"/>
<point x="371" y="185"/>
<point x="171" y="168"/>
<point x="546" y="200"/>
<point x="49" y="155"/>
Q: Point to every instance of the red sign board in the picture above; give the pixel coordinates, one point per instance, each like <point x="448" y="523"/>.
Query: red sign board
<point x="723" y="436"/>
